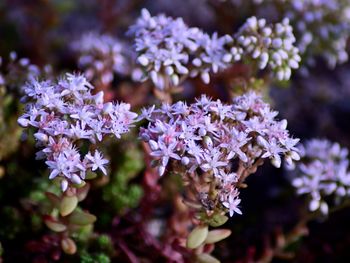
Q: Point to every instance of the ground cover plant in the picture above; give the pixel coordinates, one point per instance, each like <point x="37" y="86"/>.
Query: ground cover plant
<point x="174" y="131"/>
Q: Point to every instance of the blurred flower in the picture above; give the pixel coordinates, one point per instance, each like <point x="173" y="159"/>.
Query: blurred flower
<point x="101" y="56"/>
<point x="271" y="46"/>
<point x="322" y="27"/>
<point x="323" y="174"/>
<point x="170" y="51"/>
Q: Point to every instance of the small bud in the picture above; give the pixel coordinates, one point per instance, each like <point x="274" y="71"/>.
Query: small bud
<point x="169" y="70"/>
<point x="13" y="55"/>
<point x="23" y="122"/>
<point x="175" y="79"/>
<point x="185" y="160"/>
<point x="280" y="75"/>
<point x="42" y="137"/>
<point x="99" y="97"/>
<point x="143" y="60"/>
<point x="154" y="76"/>
<point x="64" y="185"/>
<point x="227" y="58"/>
<point x="202" y="132"/>
<point x="108" y="107"/>
<point x="256" y="53"/>
<point x="197" y="62"/>
<point x="277" y="42"/>
<point x="324" y="208"/>
<point x="314" y="205"/>
<point x="276" y="161"/>
<point x="293" y="64"/>
<point x="76" y="179"/>
<point x="264" y="59"/>
<point x="205" y="77"/>
<point x="161" y="170"/>
<point x="153" y="145"/>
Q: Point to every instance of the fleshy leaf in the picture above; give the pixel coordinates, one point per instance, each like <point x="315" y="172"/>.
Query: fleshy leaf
<point x="197" y="236"/>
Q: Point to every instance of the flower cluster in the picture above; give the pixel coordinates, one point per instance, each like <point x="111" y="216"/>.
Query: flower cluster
<point x="323" y="28"/>
<point x="323" y="174"/>
<point x="63" y="113"/>
<point x="164" y="45"/>
<point x="221" y="143"/>
<point x="170" y="51"/>
<point x="101" y="56"/>
<point x="270" y="45"/>
<point x="16" y="70"/>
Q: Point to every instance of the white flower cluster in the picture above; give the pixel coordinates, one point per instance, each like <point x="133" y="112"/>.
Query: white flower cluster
<point x="164" y="45"/>
<point x="322" y="26"/>
<point x="212" y="138"/>
<point x="323" y="174"/>
<point x="101" y="56"/>
<point x="170" y="51"/>
<point x="270" y="45"/>
<point x="63" y="113"/>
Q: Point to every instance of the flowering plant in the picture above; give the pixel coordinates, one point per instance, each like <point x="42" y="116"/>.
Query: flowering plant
<point x="143" y="153"/>
<point x="63" y="113"/>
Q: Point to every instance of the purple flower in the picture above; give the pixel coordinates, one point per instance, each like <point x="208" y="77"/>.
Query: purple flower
<point x="322" y="174"/>
<point x="97" y="162"/>
<point x="207" y="138"/>
<point x="65" y="112"/>
<point x="165" y="152"/>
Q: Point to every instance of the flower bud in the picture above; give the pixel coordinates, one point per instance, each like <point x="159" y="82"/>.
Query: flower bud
<point x="23" y="122"/>
<point x="185" y="160"/>
<point x="143" y="60"/>
<point x="42" y="137"/>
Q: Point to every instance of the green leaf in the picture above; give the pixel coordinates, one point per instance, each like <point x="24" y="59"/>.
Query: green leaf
<point x="217" y="235"/>
<point x="54" y="199"/>
<point x="82" y="192"/>
<point x="54" y="225"/>
<point x="68" y="204"/>
<point x="81" y="218"/>
<point x="217" y="220"/>
<point x="197" y="236"/>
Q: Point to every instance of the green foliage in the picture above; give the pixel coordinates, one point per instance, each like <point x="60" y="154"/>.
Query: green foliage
<point x="120" y="193"/>
<point x="98" y="251"/>
<point x="85" y="257"/>
<point x="8" y="124"/>
<point x="12" y="223"/>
